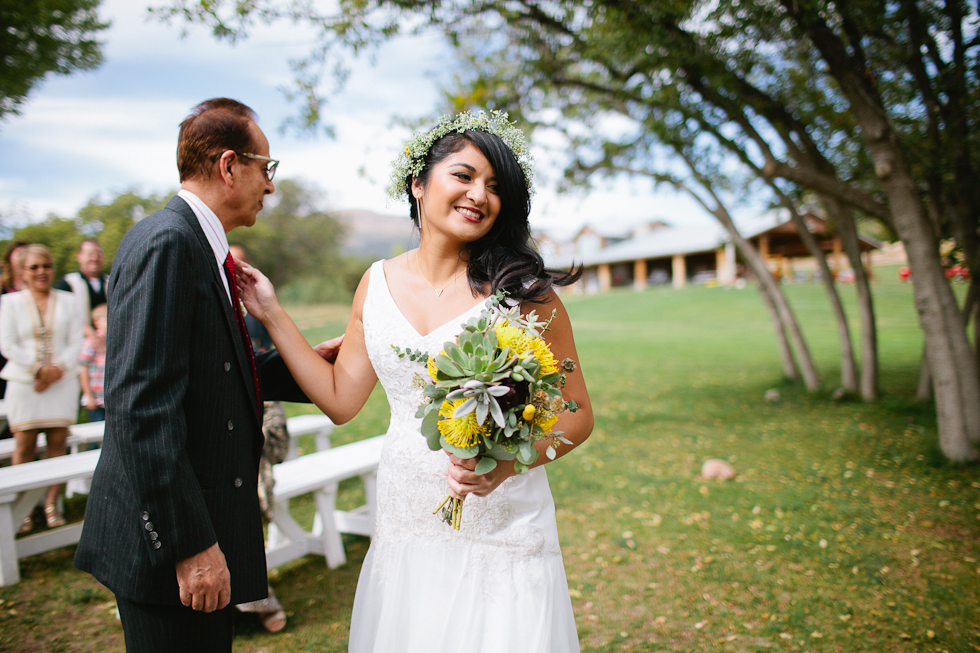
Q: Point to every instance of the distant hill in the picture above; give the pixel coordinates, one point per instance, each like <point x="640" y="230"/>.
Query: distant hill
<point x="374" y="234"/>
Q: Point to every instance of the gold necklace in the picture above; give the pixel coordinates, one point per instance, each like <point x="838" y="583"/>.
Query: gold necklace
<point x="438" y="291"/>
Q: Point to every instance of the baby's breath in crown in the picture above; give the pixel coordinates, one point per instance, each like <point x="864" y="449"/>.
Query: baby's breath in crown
<point x="412" y="159"/>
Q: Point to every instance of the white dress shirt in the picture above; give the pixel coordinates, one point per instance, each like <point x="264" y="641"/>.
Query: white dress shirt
<point x="214" y="231"/>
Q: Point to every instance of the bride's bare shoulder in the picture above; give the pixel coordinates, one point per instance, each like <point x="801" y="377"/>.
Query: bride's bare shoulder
<point x="399" y="264"/>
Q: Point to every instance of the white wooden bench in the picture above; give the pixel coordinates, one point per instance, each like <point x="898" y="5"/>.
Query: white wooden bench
<point x="81" y="435"/>
<point x="22" y="486"/>
<point x="78" y="435"/>
<point x="321" y="473"/>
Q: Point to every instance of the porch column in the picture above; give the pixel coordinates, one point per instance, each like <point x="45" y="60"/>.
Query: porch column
<point x="640" y="274"/>
<point x="730" y="271"/>
<point x="605" y="277"/>
<point x="680" y="271"/>
<point x="721" y="270"/>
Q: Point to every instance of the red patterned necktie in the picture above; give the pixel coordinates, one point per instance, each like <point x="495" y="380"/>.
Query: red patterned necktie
<point x="236" y="308"/>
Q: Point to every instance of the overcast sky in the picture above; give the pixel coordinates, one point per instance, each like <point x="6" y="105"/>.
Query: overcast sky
<point x="94" y="134"/>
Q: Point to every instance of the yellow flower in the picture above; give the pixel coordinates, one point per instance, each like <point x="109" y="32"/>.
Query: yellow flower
<point x="431" y="364"/>
<point x="460" y="431"/>
<point x="528" y="413"/>
<point x="523" y="344"/>
<point x="545" y="419"/>
<point x="543" y="353"/>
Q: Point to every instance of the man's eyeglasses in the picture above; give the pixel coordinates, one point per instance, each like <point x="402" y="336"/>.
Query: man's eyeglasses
<point x="269" y="170"/>
<point x="42" y="266"/>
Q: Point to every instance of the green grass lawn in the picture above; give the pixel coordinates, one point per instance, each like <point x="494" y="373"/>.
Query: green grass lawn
<point x="843" y="530"/>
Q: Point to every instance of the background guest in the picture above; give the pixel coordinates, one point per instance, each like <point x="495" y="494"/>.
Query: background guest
<point x="13" y="264"/>
<point x="10" y="281"/>
<point x="40" y="338"/>
<point x="89" y="283"/>
<point x="92" y="366"/>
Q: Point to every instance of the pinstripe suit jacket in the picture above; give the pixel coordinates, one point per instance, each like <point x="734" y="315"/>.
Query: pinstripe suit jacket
<point x="179" y="463"/>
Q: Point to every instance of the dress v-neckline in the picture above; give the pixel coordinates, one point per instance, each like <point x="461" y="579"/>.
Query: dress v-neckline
<point x="391" y="298"/>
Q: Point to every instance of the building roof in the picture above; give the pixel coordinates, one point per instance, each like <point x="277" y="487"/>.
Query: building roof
<point x="669" y="241"/>
<point x="687" y="239"/>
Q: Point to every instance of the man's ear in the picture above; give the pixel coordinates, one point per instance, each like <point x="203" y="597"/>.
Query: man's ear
<point x="225" y="166"/>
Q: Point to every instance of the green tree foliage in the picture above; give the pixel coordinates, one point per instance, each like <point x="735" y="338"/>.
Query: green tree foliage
<point x="295" y="242"/>
<point x="60" y="235"/>
<point x="39" y="37"/>
<point x="107" y="222"/>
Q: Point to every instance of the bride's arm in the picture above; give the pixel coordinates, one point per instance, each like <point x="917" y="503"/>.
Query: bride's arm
<point x="339" y="389"/>
<point x="576" y="426"/>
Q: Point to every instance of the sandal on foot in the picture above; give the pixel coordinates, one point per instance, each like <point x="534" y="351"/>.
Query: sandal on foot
<point x="53" y="517"/>
<point x="26" y="526"/>
<point x="274" y="621"/>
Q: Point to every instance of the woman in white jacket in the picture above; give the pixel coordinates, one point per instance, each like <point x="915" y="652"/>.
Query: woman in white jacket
<point x="40" y="336"/>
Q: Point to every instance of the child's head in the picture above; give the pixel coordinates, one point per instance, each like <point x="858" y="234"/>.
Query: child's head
<point x="99" y="317"/>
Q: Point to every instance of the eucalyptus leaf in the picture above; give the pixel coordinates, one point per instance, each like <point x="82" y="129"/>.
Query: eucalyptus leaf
<point x="434" y="391"/>
<point x="499" y="452"/>
<point x="551" y="453"/>
<point x="433" y="440"/>
<point x="430" y="423"/>
<point x="484" y="465"/>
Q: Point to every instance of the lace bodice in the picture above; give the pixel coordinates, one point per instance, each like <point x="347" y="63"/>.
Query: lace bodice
<point x="411" y="478"/>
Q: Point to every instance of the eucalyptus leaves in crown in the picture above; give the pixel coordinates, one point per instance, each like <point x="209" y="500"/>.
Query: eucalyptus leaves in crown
<point x="412" y="159"/>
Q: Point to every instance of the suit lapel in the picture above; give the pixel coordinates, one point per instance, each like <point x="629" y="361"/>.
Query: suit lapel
<point x="218" y="289"/>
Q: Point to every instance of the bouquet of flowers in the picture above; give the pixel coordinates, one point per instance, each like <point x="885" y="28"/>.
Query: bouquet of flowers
<point x="492" y="393"/>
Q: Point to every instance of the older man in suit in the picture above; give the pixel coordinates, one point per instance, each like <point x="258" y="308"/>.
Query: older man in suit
<point x="172" y="524"/>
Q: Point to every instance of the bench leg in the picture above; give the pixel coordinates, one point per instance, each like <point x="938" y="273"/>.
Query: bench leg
<point x="9" y="568"/>
<point x="326" y="527"/>
<point x="287" y="539"/>
<point x="371" y="494"/>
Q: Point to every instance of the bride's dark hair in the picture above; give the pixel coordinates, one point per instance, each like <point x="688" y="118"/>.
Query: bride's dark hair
<point x="504" y="258"/>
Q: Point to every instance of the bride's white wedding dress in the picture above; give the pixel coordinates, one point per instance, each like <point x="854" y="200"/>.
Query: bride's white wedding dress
<point x="498" y="584"/>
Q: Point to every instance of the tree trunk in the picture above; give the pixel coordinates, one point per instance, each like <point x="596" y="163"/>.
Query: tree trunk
<point x="924" y="391"/>
<point x="847" y="230"/>
<point x="810" y="378"/>
<point x="848" y="374"/>
<point x="790" y="369"/>
<point x="951" y="359"/>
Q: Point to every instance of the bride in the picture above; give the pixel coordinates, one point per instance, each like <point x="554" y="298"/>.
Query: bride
<point x="497" y="584"/>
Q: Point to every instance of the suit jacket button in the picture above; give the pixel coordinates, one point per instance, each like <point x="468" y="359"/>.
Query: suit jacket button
<point x="146" y="516"/>
<point x="227" y="367"/>
<point x="157" y="544"/>
<point x="148" y="526"/>
<point x="238" y="482"/>
<point x="154" y="536"/>
<point x="231" y="425"/>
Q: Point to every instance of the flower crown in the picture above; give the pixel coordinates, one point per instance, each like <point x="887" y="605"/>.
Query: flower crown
<point x="412" y="160"/>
